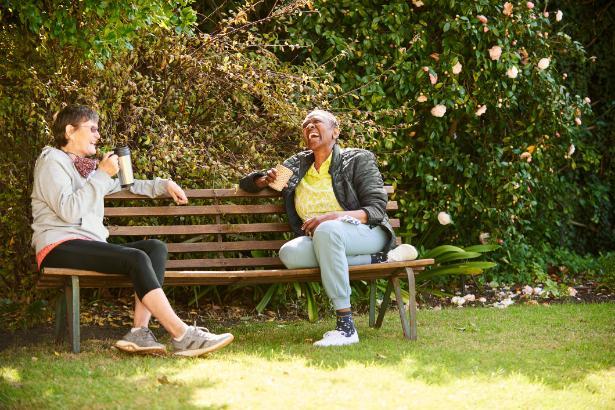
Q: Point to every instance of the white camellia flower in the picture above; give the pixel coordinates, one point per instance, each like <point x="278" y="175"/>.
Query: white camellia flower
<point x="527" y="290"/>
<point x="421" y="98"/>
<point x="481" y="110"/>
<point x="559" y="15"/>
<point x="495" y="52"/>
<point x="571" y="150"/>
<point x="482" y="300"/>
<point x="538" y="291"/>
<point x="578" y="121"/>
<point x="572" y="292"/>
<point x="457" y="68"/>
<point x="512" y="72"/>
<point x="469" y="298"/>
<point x="444" y="218"/>
<point x="438" y="110"/>
<point x="484" y="237"/>
<point x="543" y="63"/>
<point x="587" y="100"/>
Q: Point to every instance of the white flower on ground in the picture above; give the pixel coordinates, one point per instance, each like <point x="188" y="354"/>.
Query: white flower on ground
<point x="538" y="291"/>
<point x="512" y="72"/>
<point x="482" y="19"/>
<point x="508" y="302"/>
<point x="469" y="298"/>
<point x="543" y="63"/>
<point x="438" y="110"/>
<point x="559" y="15"/>
<point x="508" y="9"/>
<point x="482" y="300"/>
<point x="458" y="300"/>
<point x="444" y="218"/>
<point x="495" y="52"/>
<point x="527" y="290"/>
<point x="572" y="292"/>
<point x="578" y="121"/>
<point x="421" y="98"/>
<point x="457" y="68"/>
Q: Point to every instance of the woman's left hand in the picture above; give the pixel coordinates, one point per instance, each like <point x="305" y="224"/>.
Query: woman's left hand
<point x="178" y="194"/>
<point x="311" y="224"/>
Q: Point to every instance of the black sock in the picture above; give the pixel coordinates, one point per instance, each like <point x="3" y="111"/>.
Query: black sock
<point x="378" y="257"/>
<point x="345" y="323"/>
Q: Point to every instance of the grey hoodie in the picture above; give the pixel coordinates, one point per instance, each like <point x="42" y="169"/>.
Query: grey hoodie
<point x="64" y="204"/>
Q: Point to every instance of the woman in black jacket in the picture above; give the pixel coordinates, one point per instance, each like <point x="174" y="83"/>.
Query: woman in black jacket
<point x="336" y="205"/>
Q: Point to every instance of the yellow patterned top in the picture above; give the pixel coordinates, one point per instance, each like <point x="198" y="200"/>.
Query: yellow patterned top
<point x="314" y="195"/>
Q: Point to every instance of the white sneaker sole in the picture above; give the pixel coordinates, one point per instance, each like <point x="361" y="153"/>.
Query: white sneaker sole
<point x="197" y="352"/>
<point x="403" y="252"/>
<point x="338" y="342"/>
<point x="130" y="347"/>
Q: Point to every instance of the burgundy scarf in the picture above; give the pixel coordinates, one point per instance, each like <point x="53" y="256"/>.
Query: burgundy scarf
<point x="85" y="166"/>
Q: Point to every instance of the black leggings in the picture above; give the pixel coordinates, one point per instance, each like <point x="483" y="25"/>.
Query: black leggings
<point x="143" y="261"/>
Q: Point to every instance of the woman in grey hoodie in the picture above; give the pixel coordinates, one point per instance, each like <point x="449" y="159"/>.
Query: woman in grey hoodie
<point x="67" y="210"/>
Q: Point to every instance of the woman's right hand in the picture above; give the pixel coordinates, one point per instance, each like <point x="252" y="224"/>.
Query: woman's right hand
<point x="109" y="164"/>
<point x="264" y="181"/>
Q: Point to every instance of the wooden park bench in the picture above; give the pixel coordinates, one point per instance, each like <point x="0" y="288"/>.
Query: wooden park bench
<point x="212" y="241"/>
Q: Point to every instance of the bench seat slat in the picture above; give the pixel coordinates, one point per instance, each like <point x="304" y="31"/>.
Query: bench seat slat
<point x="225" y="246"/>
<point x="122" y="211"/>
<point x="54" y="277"/>
<point x="206" y="229"/>
<point x="223" y="262"/>
<point x="215" y="193"/>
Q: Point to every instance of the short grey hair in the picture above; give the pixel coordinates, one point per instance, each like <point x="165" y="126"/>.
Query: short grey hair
<point x="333" y="121"/>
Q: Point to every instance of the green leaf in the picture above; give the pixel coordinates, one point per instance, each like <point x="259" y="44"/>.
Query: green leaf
<point x="457" y="256"/>
<point x="482" y="248"/>
<point x="266" y="298"/>
<point x="440" y="250"/>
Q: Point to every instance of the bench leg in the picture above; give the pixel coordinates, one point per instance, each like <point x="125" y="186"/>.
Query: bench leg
<point x="402" y="309"/>
<point x="72" y="301"/>
<point x="412" y="302"/>
<point x="60" y="327"/>
<point x="385" y="304"/>
<point x="372" y="303"/>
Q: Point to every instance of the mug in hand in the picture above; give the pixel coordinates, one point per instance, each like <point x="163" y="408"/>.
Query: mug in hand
<point x="125" y="174"/>
<point x="282" y="177"/>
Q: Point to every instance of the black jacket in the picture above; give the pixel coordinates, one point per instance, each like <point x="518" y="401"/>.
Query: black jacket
<point x="357" y="184"/>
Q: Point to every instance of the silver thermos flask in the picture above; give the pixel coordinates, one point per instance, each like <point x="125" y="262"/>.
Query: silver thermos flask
<point x="125" y="174"/>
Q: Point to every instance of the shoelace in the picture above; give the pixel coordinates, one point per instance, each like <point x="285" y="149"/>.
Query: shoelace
<point x="150" y="334"/>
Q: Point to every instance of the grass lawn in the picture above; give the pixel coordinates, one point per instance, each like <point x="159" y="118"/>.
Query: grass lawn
<point x="555" y="357"/>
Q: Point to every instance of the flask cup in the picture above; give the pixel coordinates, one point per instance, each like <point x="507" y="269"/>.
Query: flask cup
<point x="125" y="174"/>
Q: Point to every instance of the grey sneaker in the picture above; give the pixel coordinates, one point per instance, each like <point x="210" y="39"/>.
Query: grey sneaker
<point x="141" y="341"/>
<point x="198" y="341"/>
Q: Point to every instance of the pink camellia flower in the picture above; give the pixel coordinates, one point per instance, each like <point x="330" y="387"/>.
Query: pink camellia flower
<point x="512" y="72"/>
<point x="433" y="78"/>
<point x="572" y="291"/>
<point x="526" y="156"/>
<point x="482" y="19"/>
<point x="546" y="14"/>
<point x="529" y="5"/>
<point x="481" y="110"/>
<point x="578" y="121"/>
<point x="426" y="69"/>
<point x="495" y="52"/>
<point x="469" y="297"/>
<point x="485" y="29"/>
<point x="421" y="98"/>
<point x="527" y="290"/>
<point x="508" y="9"/>
<point x="482" y="300"/>
<point x="543" y="63"/>
<point x="559" y="15"/>
<point x="457" y="68"/>
<point x="444" y="218"/>
<point x="438" y="110"/>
